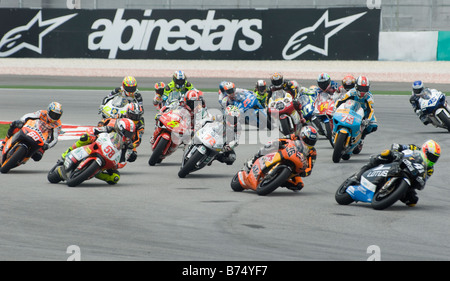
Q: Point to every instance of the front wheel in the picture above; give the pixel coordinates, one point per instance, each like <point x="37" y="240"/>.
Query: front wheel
<point x="272" y="182"/>
<point x="158" y="152"/>
<point x="444" y="119"/>
<point x="339" y="146"/>
<point x="235" y="184"/>
<point x="385" y="197"/>
<point x="14" y="160"/>
<point x="79" y="176"/>
<point x="341" y="196"/>
<point x="190" y="164"/>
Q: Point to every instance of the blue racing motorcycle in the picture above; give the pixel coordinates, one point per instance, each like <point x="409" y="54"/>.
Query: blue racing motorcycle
<point x="347" y="129"/>
<point x="251" y="109"/>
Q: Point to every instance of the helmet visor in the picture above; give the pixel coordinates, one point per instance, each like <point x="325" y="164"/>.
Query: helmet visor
<point x="54" y="115"/>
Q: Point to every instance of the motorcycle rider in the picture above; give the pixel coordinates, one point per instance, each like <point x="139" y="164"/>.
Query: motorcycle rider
<point x="51" y="117"/>
<point x="261" y="92"/>
<point x="231" y="131"/>
<point x="159" y="92"/>
<point x="307" y="138"/>
<point x="128" y="91"/>
<point x="125" y="129"/>
<point x="278" y="83"/>
<point x="348" y="83"/>
<point x="418" y="92"/>
<point x="179" y="83"/>
<point x="194" y="103"/>
<point x="361" y="93"/>
<point x="430" y="150"/>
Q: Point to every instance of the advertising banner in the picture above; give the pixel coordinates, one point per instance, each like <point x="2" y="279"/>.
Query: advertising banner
<point x="244" y="34"/>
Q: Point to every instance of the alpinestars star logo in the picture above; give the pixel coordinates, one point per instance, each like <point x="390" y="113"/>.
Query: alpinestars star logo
<point x="301" y="41"/>
<point x="19" y="38"/>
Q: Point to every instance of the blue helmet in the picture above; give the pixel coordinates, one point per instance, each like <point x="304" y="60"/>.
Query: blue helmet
<point x="417" y="87"/>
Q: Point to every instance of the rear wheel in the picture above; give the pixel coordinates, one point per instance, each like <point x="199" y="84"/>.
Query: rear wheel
<point x="158" y="152"/>
<point x="272" y="182"/>
<point x="14" y="160"/>
<point x="339" y="146"/>
<point x="77" y="177"/>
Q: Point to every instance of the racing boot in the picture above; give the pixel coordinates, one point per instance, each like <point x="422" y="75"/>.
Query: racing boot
<point x="110" y="176"/>
<point x="84" y="140"/>
<point x="295" y="184"/>
<point x="2" y="144"/>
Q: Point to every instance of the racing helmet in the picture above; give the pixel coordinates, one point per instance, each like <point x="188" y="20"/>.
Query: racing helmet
<point x="232" y="115"/>
<point x="54" y="111"/>
<point x="129" y="85"/>
<point x="323" y="81"/>
<point x="261" y="86"/>
<point x="362" y="85"/>
<point x="159" y="88"/>
<point x="348" y="82"/>
<point x="134" y="111"/>
<point x="192" y="99"/>
<point x="277" y="79"/>
<point x="417" y="88"/>
<point x="432" y="151"/>
<point x="179" y="78"/>
<point x="125" y="128"/>
<point x="295" y="87"/>
<point x="230" y="90"/>
<point x="308" y="135"/>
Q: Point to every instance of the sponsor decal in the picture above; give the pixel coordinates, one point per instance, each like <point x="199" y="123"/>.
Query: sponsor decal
<point x="26" y="37"/>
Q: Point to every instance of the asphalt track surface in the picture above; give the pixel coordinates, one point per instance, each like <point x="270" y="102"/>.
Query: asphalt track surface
<point x="151" y="214"/>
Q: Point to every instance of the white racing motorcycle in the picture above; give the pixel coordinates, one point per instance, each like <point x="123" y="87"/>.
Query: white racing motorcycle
<point x="434" y="105"/>
<point x="203" y="148"/>
<point x="114" y="108"/>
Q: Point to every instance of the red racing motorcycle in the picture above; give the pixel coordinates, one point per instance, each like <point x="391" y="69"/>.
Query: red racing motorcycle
<point x="172" y="127"/>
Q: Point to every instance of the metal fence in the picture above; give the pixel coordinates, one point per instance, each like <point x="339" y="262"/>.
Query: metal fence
<point x="396" y="15"/>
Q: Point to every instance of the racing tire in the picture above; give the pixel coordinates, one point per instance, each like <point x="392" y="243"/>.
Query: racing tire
<point x="79" y="177"/>
<point x="341" y="196"/>
<point x="190" y="164"/>
<point x="329" y="133"/>
<point x="285" y="126"/>
<point x="268" y="186"/>
<point x="53" y="176"/>
<point x="14" y="160"/>
<point x="158" y="152"/>
<point x="380" y="202"/>
<point x="444" y="119"/>
<point x="341" y="138"/>
<point x="235" y="184"/>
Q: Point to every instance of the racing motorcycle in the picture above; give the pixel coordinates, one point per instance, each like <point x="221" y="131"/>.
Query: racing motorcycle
<point x="347" y="130"/>
<point x="203" y="148"/>
<point x="85" y="162"/>
<point x="307" y="103"/>
<point x="385" y="184"/>
<point x="323" y="114"/>
<point x="272" y="170"/>
<point x="281" y="105"/>
<point x="435" y="106"/>
<point x="23" y="144"/>
<point x="173" y="126"/>
<point x="114" y="108"/>
<point x="251" y="109"/>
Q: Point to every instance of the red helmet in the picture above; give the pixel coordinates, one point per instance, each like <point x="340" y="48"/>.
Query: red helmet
<point x="362" y="85"/>
<point x="193" y="98"/>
